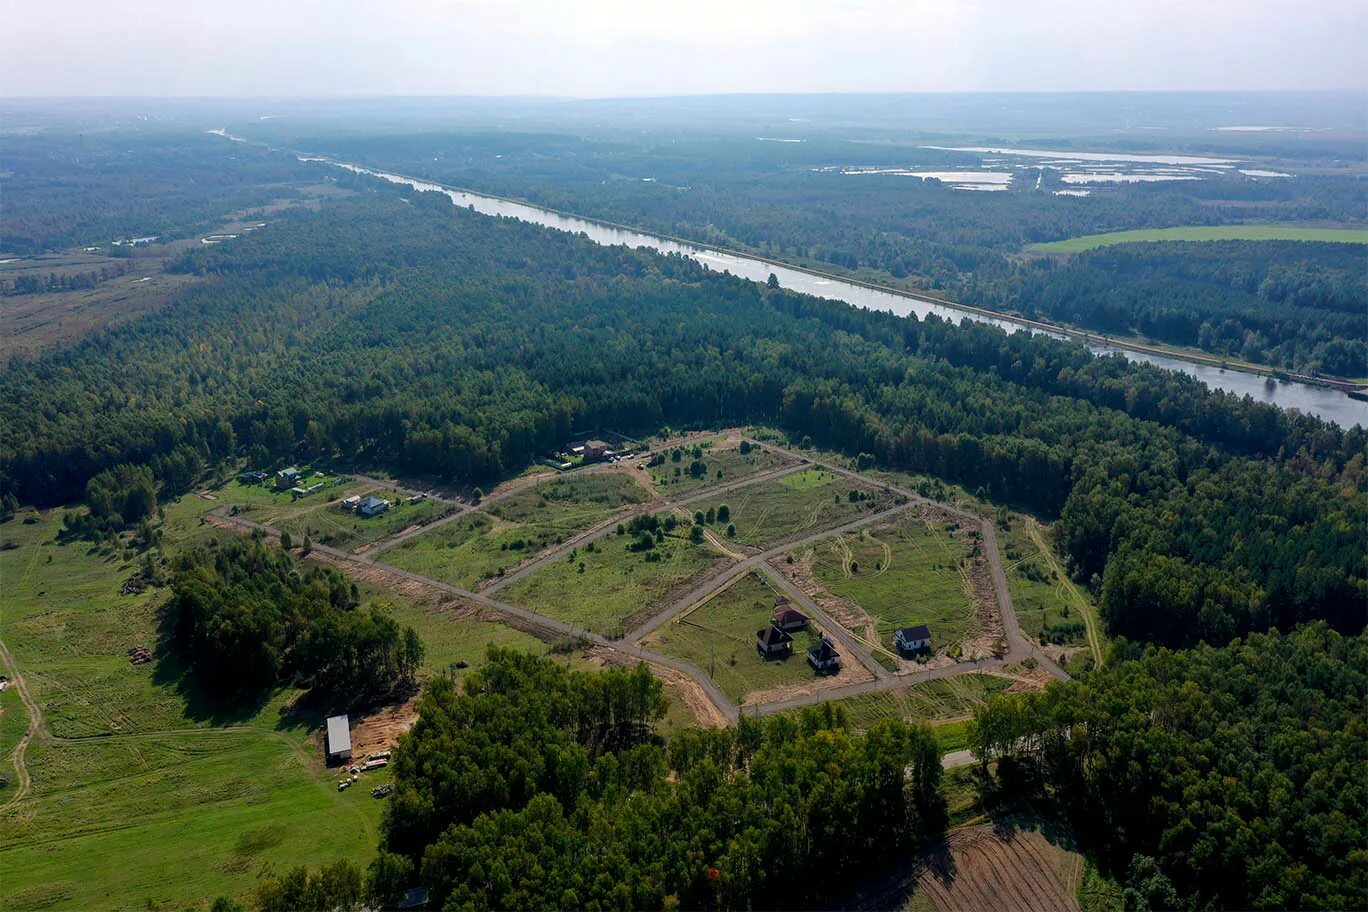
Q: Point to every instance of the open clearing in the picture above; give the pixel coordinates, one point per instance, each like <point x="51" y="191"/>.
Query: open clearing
<point x="611" y="588"/>
<point x="719" y="637"/>
<point x="1050" y="608"/>
<point x="499" y="537"/>
<point x="1206" y="233"/>
<point x="776" y="509"/>
<point x="699" y="464"/>
<point x="992" y="867"/>
<point x="909" y="570"/>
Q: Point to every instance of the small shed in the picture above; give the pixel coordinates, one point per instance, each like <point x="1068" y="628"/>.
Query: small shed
<point x="913" y="639"/>
<point x="789" y="619"/>
<point x="773" y="643"/>
<point x="824" y="658"/>
<point x="372" y="506"/>
<point x="338" y="746"/>
<point x="350" y="503"/>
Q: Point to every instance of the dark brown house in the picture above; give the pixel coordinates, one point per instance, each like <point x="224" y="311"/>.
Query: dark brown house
<point x="788" y="618"/>
<point x="824" y="658"/>
<point x="773" y="643"/>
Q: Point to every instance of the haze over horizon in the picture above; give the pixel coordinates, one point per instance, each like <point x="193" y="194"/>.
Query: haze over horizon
<point x="616" y="48"/>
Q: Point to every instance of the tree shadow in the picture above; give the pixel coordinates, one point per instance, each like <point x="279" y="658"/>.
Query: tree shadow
<point x="199" y="705"/>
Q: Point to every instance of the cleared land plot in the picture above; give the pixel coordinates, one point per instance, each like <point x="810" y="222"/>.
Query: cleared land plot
<point x="612" y="588"/>
<point x="330" y="524"/>
<point x="993" y="867"/>
<point x="930" y="701"/>
<point x="698" y="465"/>
<point x="477" y="547"/>
<point x="1047" y="608"/>
<point x="898" y="573"/>
<point x="719" y="637"/>
<point x="1206" y="233"/>
<point x="264" y="504"/>
<point x="777" y="509"/>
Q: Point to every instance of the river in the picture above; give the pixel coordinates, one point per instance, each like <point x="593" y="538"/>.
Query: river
<point x="1324" y="402"/>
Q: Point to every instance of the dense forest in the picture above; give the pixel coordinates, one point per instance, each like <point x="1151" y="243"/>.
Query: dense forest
<point x="792" y="202"/>
<point x="1290" y="304"/>
<point x="1227" y="778"/>
<point x="247" y="618"/>
<point x="536" y="787"/>
<point x="372" y="332"/>
<point x="93" y="188"/>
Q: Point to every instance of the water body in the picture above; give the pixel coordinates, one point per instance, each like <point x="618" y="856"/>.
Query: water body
<point x="1330" y="404"/>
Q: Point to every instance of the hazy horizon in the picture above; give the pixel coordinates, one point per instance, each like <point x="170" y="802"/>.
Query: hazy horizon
<point x="607" y="49"/>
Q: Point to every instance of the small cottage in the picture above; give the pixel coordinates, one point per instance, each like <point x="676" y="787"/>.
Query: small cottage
<point x="287" y="478"/>
<point x="773" y="643"/>
<point x="789" y="619"/>
<point x="824" y="658"/>
<point x="911" y="640"/>
<point x="372" y="506"/>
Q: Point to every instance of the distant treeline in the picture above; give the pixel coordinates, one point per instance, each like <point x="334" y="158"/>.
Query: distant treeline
<point x="435" y="341"/>
<point x="1291" y="304"/>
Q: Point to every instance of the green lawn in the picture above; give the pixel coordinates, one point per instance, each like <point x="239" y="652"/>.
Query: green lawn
<point x="781" y="508"/>
<point x="474" y="548"/>
<point x="676" y="478"/>
<point x="611" y="589"/>
<point x="719" y="637"/>
<point x="901" y="572"/>
<point x="330" y="524"/>
<point x="1205" y="233"/>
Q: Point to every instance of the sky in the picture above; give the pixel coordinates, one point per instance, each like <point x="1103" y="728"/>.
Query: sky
<point x="614" y="48"/>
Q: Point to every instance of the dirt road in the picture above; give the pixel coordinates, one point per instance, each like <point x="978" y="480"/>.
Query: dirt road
<point x="23" y="780"/>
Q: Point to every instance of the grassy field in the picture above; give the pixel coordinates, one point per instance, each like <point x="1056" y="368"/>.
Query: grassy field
<point x="719" y="637"/>
<point x="1205" y="233"/>
<point x="782" y="508"/>
<point x="329" y="524"/>
<point x="715" y="456"/>
<point x="901" y="572"/>
<point x="144" y="796"/>
<point x="474" y="548"/>
<point x="1048" y="607"/>
<point x="611" y="588"/>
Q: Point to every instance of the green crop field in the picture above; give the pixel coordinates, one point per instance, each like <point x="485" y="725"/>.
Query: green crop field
<point x="611" y="588"/>
<point x="1205" y="233"/>
<point x="673" y="478"/>
<point x="901" y="572"/>
<point x="502" y="535"/>
<point x="719" y="637"/>
<point x="781" y="508"/>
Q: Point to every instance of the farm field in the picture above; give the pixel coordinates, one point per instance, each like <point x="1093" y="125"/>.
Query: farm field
<point x="1205" y="233"/>
<point x="719" y="637"/>
<point x="780" y="508"/>
<point x="611" y="588"/>
<point x="908" y="570"/>
<point x="698" y="466"/>
<point x="476" y="547"/>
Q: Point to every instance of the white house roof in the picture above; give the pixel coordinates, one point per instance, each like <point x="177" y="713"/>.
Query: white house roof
<point x="339" y="734"/>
